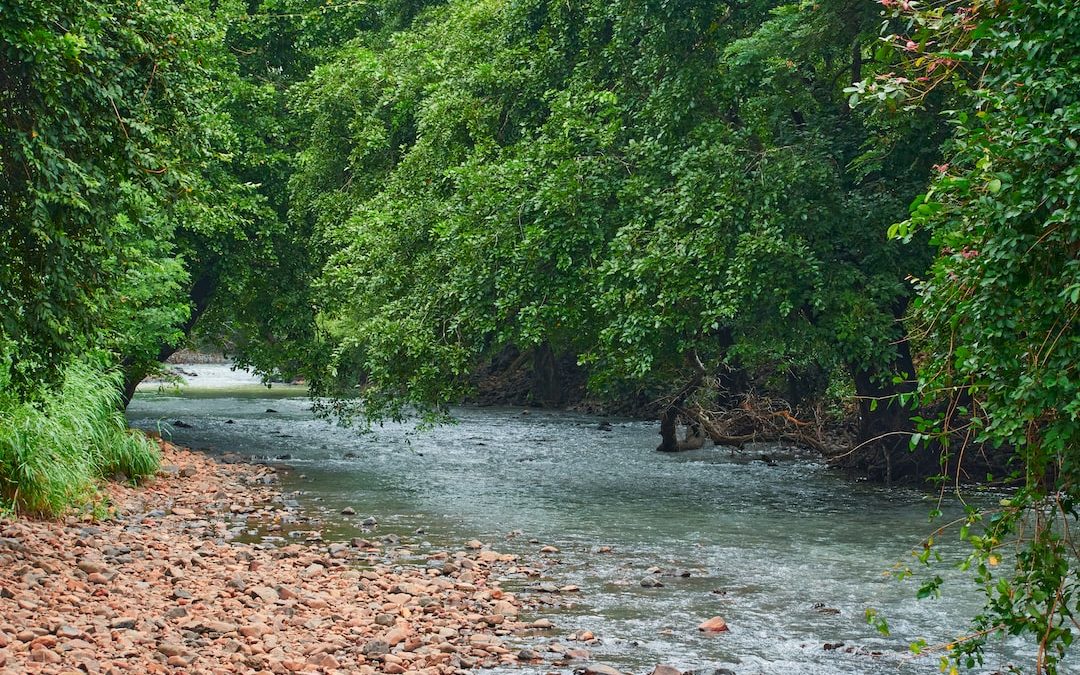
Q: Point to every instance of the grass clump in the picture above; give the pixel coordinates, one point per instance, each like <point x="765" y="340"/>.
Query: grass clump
<point x="54" y="449"/>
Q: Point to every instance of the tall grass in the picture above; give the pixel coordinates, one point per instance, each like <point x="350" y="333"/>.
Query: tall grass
<point x="54" y="450"/>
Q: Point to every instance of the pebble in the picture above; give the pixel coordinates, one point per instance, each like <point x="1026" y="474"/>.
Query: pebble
<point x="209" y="604"/>
<point x="171" y="648"/>
<point x="376" y="648"/>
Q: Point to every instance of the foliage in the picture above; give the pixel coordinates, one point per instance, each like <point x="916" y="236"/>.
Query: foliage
<point x="1001" y="301"/>
<point x="108" y="137"/>
<point x="53" y="451"/>
<point x="252" y="290"/>
<point x="630" y="184"/>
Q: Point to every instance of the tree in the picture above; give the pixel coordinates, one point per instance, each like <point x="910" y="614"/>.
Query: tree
<point x="1000" y="303"/>
<point x="641" y="187"/>
<point x="114" y="150"/>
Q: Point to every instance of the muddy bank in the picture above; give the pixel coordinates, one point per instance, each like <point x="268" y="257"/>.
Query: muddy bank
<point x="168" y="584"/>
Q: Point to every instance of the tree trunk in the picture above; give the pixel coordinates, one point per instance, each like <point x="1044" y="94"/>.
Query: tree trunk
<point x="546" y="384"/>
<point x="880" y="414"/>
<point x="885" y="426"/>
<point x="669" y="438"/>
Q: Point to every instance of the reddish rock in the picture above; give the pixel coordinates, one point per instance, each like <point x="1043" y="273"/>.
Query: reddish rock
<point x="46" y="641"/>
<point x="505" y="608"/>
<point x="324" y="661"/>
<point x="598" y="669"/>
<point x="92" y="567"/>
<point x="714" y="625"/>
<point x="395" y="636"/>
<point x="259" y="610"/>
<point x="285" y="593"/>
<point x="43" y="655"/>
<point x="171" y="648"/>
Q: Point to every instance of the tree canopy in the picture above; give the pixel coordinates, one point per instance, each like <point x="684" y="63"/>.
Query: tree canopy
<point x="629" y="184"/>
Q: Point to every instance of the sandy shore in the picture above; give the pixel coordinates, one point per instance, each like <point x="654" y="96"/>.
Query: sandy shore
<point x="160" y="588"/>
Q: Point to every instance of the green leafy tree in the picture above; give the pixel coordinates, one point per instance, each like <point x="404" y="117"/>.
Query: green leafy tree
<point x="115" y="155"/>
<point x="1001" y="301"/>
<point x="643" y="187"/>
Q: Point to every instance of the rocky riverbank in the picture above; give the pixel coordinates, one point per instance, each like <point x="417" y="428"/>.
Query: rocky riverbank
<point x="175" y="580"/>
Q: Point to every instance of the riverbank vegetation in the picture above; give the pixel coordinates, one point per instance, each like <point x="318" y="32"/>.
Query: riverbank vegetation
<point x="846" y="224"/>
<point x="53" y="450"/>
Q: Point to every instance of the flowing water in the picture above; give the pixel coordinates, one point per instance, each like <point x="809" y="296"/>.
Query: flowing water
<point x="790" y="553"/>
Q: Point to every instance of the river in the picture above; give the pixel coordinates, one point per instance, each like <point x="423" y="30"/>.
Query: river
<point x="789" y="553"/>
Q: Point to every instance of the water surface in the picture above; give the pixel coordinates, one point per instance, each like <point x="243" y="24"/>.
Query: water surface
<point x="790" y="553"/>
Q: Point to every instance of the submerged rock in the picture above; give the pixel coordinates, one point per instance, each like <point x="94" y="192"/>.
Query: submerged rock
<point x="597" y="669"/>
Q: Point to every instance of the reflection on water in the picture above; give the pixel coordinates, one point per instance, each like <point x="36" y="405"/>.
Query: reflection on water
<point x="790" y="555"/>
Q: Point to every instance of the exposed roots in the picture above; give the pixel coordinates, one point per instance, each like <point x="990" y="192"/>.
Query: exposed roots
<point x="757" y="419"/>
